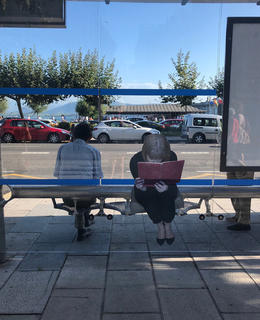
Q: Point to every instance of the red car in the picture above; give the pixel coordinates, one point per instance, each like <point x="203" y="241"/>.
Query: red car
<point x="12" y="129"/>
<point x="174" y="123"/>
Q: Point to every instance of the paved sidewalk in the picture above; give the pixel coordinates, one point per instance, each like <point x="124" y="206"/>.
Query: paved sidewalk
<point x="121" y="273"/>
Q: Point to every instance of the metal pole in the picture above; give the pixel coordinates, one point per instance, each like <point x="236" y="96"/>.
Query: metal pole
<point x="2" y="223"/>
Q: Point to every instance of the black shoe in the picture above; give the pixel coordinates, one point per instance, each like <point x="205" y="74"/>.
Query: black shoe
<point x="170" y="240"/>
<point x="160" y="241"/>
<point x="81" y="233"/>
<point x="239" y="227"/>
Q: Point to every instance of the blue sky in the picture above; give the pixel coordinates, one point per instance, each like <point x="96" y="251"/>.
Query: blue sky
<point x="141" y="38"/>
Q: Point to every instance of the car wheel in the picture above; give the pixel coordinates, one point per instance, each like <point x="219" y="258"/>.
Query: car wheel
<point x="103" y="138"/>
<point x="145" y="135"/>
<point x="8" y="138"/>
<point x="53" y="138"/>
<point x="199" y="138"/>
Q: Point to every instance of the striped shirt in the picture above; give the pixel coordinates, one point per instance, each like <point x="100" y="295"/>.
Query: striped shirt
<point x="78" y="160"/>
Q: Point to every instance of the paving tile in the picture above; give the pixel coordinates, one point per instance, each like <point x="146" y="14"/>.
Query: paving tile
<point x="135" y="316"/>
<point x="27" y="292"/>
<point x="7" y="268"/>
<point x="190" y="218"/>
<point x="177" y="247"/>
<point x="128" y="247"/>
<point x="101" y="224"/>
<point x="169" y="272"/>
<point x="129" y="261"/>
<point x="209" y="246"/>
<point x="186" y="304"/>
<point x="51" y="247"/>
<point x="19" y="317"/>
<point x="137" y="218"/>
<point x="31" y="224"/>
<point x="74" y="304"/>
<point x="215" y="261"/>
<point x="249" y="261"/>
<point x="96" y="243"/>
<point x="90" y="272"/>
<point x="62" y="219"/>
<point x="58" y="233"/>
<point x="9" y="227"/>
<point x="239" y="241"/>
<point x="20" y="242"/>
<point x="42" y="261"/>
<point x="123" y="232"/>
<point x="233" y="290"/>
<point x="130" y="292"/>
<point x="244" y="316"/>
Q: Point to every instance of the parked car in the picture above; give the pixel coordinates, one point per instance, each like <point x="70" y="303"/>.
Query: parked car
<point x="174" y="123"/>
<point x="134" y="119"/>
<point x="110" y="130"/>
<point x="13" y="129"/>
<point x="150" y="124"/>
<point x="199" y="128"/>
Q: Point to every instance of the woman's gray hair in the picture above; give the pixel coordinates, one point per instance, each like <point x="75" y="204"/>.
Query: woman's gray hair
<point x="156" y="146"/>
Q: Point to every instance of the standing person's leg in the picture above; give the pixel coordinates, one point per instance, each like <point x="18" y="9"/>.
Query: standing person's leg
<point x="243" y="221"/>
<point x="235" y="201"/>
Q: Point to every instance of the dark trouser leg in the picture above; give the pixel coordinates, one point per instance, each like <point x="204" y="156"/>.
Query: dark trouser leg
<point x="242" y="206"/>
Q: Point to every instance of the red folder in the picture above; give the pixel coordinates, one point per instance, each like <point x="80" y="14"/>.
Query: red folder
<point x="169" y="171"/>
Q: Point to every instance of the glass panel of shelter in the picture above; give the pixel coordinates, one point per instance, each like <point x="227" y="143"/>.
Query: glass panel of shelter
<point x="141" y="50"/>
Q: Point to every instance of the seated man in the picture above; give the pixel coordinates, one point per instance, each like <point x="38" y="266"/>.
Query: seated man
<point x="79" y="160"/>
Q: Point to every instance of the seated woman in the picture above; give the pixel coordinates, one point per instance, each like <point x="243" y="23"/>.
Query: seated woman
<point x="158" y="200"/>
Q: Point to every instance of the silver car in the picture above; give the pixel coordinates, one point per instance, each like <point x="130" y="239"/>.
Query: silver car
<point x="110" y="130"/>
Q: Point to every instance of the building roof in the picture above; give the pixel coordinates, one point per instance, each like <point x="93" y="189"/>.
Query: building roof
<point x="154" y="108"/>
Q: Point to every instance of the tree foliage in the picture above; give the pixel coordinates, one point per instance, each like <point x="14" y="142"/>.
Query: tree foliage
<point x="217" y="83"/>
<point x="86" y="110"/>
<point x="3" y="105"/>
<point x="69" y="70"/>
<point x="184" y="76"/>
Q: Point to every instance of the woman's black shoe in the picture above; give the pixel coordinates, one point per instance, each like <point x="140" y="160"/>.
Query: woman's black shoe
<point x="160" y="241"/>
<point x="170" y="240"/>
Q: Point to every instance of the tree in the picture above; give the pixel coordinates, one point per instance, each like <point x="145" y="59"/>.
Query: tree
<point x="70" y="70"/>
<point x="37" y="107"/>
<point x="25" y="70"/>
<point x="3" y="105"/>
<point x="90" y="72"/>
<point x="184" y="76"/>
<point x="217" y="83"/>
<point x="85" y="110"/>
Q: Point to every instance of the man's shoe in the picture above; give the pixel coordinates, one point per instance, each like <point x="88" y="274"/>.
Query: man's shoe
<point x="239" y="227"/>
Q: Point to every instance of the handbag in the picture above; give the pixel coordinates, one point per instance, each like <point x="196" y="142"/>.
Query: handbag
<point x="136" y="207"/>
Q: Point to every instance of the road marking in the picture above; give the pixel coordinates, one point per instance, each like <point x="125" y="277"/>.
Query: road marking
<point x="204" y="175"/>
<point x="195" y="152"/>
<point x="21" y="175"/>
<point x="10" y="171"/>
<point x="208" y="171"/>
<point x="131" y="152"/>
<point x="32" y="152"/>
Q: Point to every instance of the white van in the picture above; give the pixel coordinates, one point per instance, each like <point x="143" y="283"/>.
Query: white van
<point x="199" y="128"/>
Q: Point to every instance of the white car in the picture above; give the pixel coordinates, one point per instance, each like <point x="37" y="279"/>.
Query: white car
<point x="110" y="130"/>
